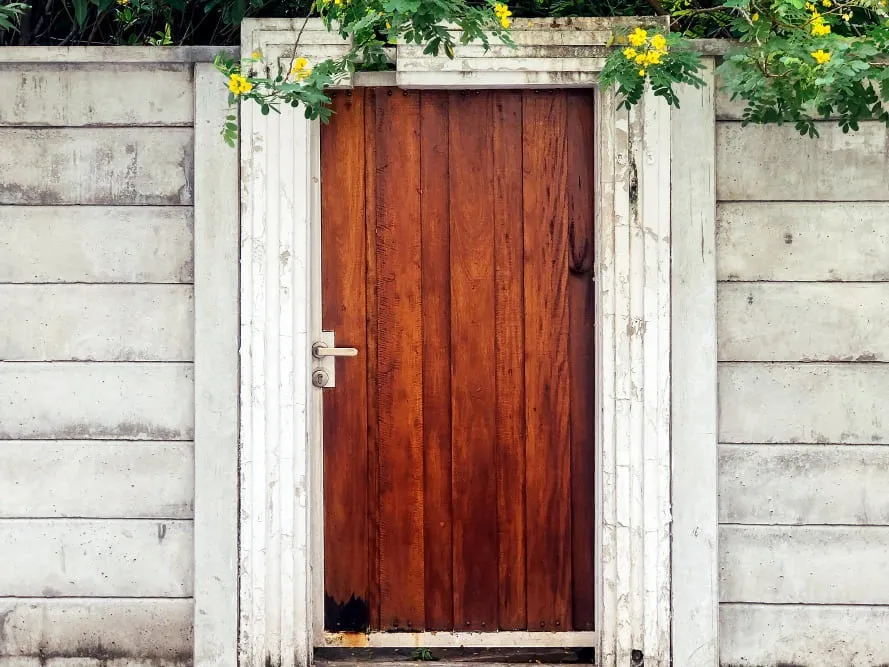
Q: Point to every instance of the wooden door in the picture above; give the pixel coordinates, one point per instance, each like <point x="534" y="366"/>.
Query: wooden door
<point x="457" y="256"/>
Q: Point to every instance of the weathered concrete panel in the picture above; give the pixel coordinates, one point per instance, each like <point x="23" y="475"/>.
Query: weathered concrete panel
<point x="804" y="564"/>
<point x="89" y="479"/>
<point x="800" y="484"/>
<point x="803" y="322"/>
<point x="93" y="662"/>
<point x="96" y="166"/>
<point x="799" y="403"/>
<point x="95" y="244"/>
<point x="115" y="629"/>
<point x="96" y="558"/>
<point x="66" y="94"/>
<point x="772" y="162"/>
<point x="97" y="323"/>
<point x="810" y="636"/>
<point x="802" y="241"/>
<point x="140" y="401"/>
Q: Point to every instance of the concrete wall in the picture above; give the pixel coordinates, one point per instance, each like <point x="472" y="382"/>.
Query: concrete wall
<point x="97" y="380"/>
<point x="802" y="259"/>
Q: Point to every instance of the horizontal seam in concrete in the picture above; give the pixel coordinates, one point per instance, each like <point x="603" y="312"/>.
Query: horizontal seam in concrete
<point x="113" y="55"/>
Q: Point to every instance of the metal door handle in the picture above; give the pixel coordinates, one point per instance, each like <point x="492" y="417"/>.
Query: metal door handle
<point x="322" y="349"/>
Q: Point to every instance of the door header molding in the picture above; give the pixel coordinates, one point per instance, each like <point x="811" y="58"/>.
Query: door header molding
<point x="281" y="593"/>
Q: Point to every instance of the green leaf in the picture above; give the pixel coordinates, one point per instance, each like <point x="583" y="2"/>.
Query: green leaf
<point x="80" y="11"/>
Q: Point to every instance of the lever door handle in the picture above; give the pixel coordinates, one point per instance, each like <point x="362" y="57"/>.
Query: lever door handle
<point x="321" y="350"/>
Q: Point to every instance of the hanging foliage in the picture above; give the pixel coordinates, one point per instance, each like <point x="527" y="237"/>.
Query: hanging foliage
<point x="795" y="61"/>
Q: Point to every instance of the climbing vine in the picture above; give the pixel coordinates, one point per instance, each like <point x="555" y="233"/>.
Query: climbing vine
<point x="370" y="26"/>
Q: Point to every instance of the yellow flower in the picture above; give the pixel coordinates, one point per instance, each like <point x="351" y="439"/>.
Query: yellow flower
<point x="501" y="10"/>
<point x="301" y="69"/>
<point x="388" y="25"/>
<point x="638" y="37"/>
<point x="640" y="59"/>
<point x="653" y="58"/>
<point x="123" y="2"/>
<point x="239" y="85"/>
<point x="810" y="6"/>
<point x="827" y="3"/>
<point x="847" y="16"/>
<point x="755" y="17"/>
<point x="641" y="72"/>
<point x="819" y="28"/>
<point x="659" y="43"/>
<point x="256" y="55"/>
<point x="821" y="56"/>
<point x="630" y="53"/>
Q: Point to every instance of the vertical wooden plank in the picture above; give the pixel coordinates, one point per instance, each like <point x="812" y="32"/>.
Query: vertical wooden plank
<point x="580" y="131"/>
<point x="472" y="362"/>
<point x="216" y="380"/>
<point x="434" y="174"/>
<point x="345" y="406"/>
<point x="373" y="491"/>
<point x="509" y="358"/>
<point x="399" y="359"/>
<point x="546" y="361"/>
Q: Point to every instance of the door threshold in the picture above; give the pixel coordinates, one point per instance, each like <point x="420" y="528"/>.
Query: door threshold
<point x="431" y="656"/>
<point x="501" y="639"/>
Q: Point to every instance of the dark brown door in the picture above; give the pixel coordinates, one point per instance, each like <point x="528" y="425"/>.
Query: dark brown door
<point x="457" y="256"/>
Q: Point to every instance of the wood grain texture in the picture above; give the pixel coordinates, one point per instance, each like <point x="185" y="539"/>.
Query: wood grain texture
<point x="129" y="630"/>
<point x="344" y="300"/>
<point x="813" y="635"/>
<point x="804" y="484"/>
<point x="473" y="398"/>
<point x="96" y="244"/>
<point x="803" y="403"/>
<point x="97" y="323"/>
<point x="804" y="564"/>
<point x="803" y="322"/>
<point x="84" y="95"/>
<point x="448" y="303"/>
<point x="96" y="558"/>
<point x="399" y="360"/>
<point x="70" y="401"/>
<point x="581" y="295"/>
<point x="802" y="241"/>
<point x="435" y="211"/>
<point x="772" y="162"/>
<point x="547" y="381"/>
<point x="509" y="359"/>
<point x="122" y="480"/>
<point x="373" y="449"/>
<point x="97" y="166"/>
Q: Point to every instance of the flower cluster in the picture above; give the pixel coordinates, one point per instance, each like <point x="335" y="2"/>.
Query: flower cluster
<point x="238" y="84"/>
<point x="821" y="56"/>
<point x="301" y="69"/>
<point x="818" y="26"/>
<point x="501" y="11"/>
<point x="645" y="51"/>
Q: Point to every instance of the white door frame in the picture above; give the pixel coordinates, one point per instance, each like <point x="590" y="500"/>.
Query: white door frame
<point x="281" y="533"/>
